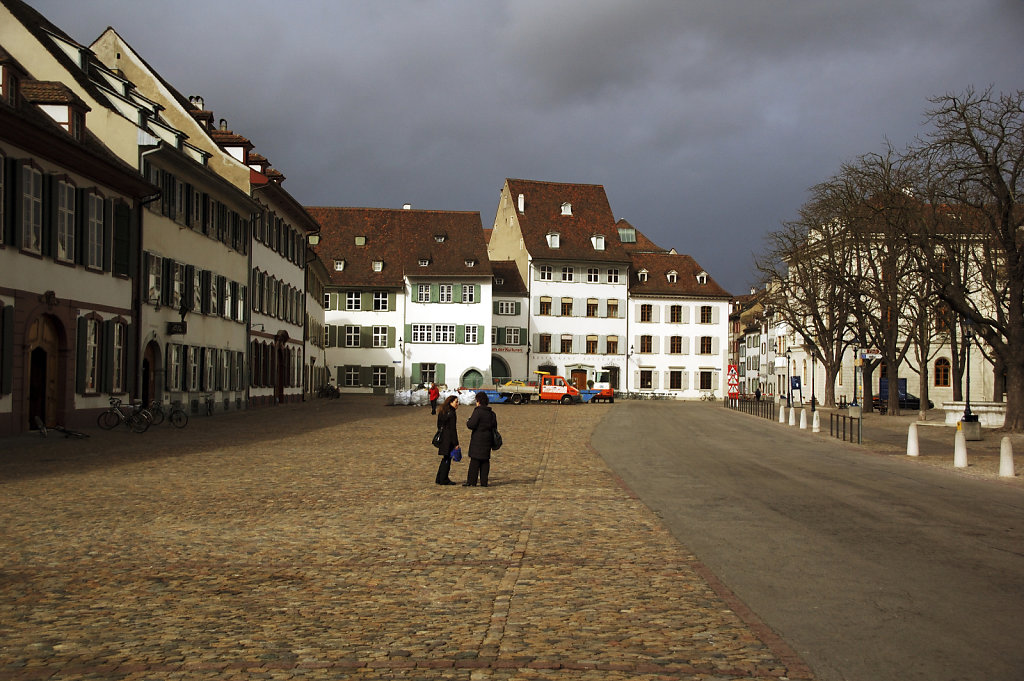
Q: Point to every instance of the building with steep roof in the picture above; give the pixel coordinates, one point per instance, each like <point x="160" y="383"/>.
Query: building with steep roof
<point x="409" y="297"/>
<point x="509" y="336"/>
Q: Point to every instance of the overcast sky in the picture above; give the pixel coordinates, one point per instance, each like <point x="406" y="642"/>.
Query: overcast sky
<point x="705" y="120"/>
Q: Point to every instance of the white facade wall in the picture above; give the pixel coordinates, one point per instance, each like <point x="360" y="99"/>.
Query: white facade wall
<point x="694" y="365"/>
<point x="510" y="337"/>
<point x="578" y="325"/>
<point x="357" y="364"/>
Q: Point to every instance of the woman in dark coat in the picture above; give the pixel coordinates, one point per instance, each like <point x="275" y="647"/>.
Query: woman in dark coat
<point x="449" y="438"/>
<point x="482" y="422"/>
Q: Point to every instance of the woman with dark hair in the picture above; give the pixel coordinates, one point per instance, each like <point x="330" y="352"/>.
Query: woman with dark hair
<point x="449" y="438"/>
<point x="482" y="422"/>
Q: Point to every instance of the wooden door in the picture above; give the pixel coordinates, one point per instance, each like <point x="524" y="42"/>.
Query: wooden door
<point x="43" y="348"/>
<point x="578" y="377"/>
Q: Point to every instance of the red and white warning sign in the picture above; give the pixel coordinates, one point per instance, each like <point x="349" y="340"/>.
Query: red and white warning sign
<point x="733" y="381"/>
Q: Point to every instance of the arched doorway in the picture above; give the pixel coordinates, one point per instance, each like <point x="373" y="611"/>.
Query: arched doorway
<point x="472" y="379"/>
<point x="499" y="369"/>
<point x="43" y="345"/>
<point x="150" y="368"/>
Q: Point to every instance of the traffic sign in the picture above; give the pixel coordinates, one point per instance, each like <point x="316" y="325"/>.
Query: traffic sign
<point x="733" y="381"/>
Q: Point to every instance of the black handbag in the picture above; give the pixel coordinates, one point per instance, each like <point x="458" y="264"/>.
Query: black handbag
<point x="437" y="438"/>
<point x="495" y="439"/>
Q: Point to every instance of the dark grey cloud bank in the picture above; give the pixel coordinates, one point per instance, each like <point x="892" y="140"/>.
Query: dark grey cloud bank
<point x="705" y="121"/>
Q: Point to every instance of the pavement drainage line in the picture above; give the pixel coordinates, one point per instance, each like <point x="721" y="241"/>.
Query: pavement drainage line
<point x="507" y="587"/>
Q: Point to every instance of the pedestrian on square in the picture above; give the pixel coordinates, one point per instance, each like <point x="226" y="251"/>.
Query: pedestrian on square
<point x="448" y="426"/>
<point x="757" y="394"/>
<point x="482" y="422"/>
<point x="432" y="394"/>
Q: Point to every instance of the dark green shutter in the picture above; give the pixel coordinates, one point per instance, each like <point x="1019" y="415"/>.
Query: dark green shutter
<point x="494" y="306"/>
<point x="366" y="300"/>
<point x="80" y="369"/>
<point x="108" y="233"/>
<point x="131" y="357"/>
<point x="6" y="349"/>
<point x="460" y="333"/>
<point x="107" y="357"/>
<point x="365" y="376"/>
<point x="50" y="209"/>
<point x="81" y="226"/>
<point x="501" y="335"/>
<point x="12" y="212"/>
<point x="518" y="307"/>
<point x="476" y="293"/>
<point x="522" y="336"/>
<point x="392" y="297"/>
<point x="439" y="373"/>
<point x="366" y="336"/>
<point x="392" y="333"/>
<point x="408" y="333"/>
<point x="435" y="294"/>
<point x="122" y="246"/>
<point x="415" y="378"/>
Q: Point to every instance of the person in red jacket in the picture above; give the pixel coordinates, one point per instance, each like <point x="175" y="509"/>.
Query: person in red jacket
<point x="432" y="394"/>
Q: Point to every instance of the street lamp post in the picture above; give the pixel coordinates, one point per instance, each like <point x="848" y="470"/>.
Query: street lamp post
<point x="814" y="357"/>
<point x="789" y="384"/>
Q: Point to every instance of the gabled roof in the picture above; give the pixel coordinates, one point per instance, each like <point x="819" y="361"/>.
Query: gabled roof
<point x="659" y="265"/>
<point x="591" y="215"/>
<point x="51" y="92"/>
<point x="511" y="284"/>
<point x="641" y="243"/>
<point x="400" y="239"/>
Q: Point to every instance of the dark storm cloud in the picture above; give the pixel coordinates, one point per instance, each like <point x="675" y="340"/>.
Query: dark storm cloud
<point x="705" y="121"/>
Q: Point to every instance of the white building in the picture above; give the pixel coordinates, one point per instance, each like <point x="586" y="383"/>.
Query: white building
<point x="510" y="341"/>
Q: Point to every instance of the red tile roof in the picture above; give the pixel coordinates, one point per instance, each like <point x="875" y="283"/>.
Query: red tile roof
<point x="51" y="92"/>
<point x="658" y="266"/>
<point x="511" y="283"/>
<point x="542" y="214"/>
<point x="642" y="243"/>
<point x="399" y="238"/>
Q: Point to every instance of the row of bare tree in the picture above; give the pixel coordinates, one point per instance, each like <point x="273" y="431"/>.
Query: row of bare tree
<point x="912" y="251"/>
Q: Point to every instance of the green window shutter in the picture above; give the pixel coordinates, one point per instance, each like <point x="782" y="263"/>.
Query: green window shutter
<point x="456" y="293"/>
<point x="391" y="375"/>
<point x="83" y="329"/>
<point x="340" y="375"/>
<point x="476" y="293"/>
<point x="518" y="307"/>
<point x="50" y="204"/>
<point x="366" y="300"/>
<point x="366" y="336"/>
<point x="81" y="225"/>
<point x="108" y="233"/>
<point x="365" y="375"/>
<point x="435" y="293"/>
<point x="494" y="307"/>
<point x="392" y="336"/>
<point x="415" y="373"/>
<point x="107" y="357"/>
<point x="408" y="333"/>
<point x="460" y="333"/>
<point x="522" y="335"/>
<point x="392" y="301"/>
<point x="501" y="335"/>
<point x="12" y="212"/>
<point x="122" y="246"/>
<point x="6" y="348"/>
<point x="131" y="357"/>
<point x="439" y="373"/>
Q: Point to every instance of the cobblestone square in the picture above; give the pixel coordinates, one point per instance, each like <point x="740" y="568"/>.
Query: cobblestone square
<point x="309" y="541"/>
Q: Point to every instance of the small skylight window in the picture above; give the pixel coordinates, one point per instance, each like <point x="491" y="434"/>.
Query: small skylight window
<point x="424" y="262"/>
<point x="470" y="262"/>
<point x="499" y="281"/>
<point x="440" y="238"/>
<point x="360" y="241"/>
<point x="566" y="208"/>
<point x="598" y="241"/>
<point x="378" y="265"/>
<point x="553" y="240"/>
<point x="627" y="235"/>
<point x="673" y="277"/>
<point x="339" y="265"/>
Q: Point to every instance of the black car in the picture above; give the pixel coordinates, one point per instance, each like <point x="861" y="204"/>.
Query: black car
<point x="907" y="401"/>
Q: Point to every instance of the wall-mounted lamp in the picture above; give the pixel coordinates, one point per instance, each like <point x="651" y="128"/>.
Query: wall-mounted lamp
<point x="313" y="239"/>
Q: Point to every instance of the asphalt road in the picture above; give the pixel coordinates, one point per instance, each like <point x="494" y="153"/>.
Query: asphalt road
<point x="871" y="568"/>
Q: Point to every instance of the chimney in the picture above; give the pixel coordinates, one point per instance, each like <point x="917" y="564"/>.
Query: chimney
<point x="223" y="124"/>
<point x="522" y="203"/>
<point x="407" y="206"/>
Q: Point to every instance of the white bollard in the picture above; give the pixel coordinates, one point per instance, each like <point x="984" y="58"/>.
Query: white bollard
<point x="782" y="413"/>
<point x="912" y="446"/>
<point x="792" y="416"/>
<point x="960" y="450"/>
<point x="1006" y="459"/>
<point x="803" y="419"/>
<point x="816" y="422"/>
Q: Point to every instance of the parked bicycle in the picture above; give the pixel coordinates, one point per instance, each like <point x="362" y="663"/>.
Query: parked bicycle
<point x="709" y="396"/>
<point x="175" y="414"/>
<point x="136" y="419"/>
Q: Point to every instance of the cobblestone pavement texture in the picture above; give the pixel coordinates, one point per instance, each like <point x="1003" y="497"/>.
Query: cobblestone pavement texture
<point x="309" y="541"/>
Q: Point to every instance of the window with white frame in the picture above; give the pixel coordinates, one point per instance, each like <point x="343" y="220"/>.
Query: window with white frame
<point x="351" y="336"/>
<point x="673" y="277"/>
<point x="445" y="333"/>
<point x="193" y="368"/>
<point x="553" y="240"/>
<point x="598" y="241"/>
<point x="472" y="334"/>
<point x="613" y="276"/>
<point x="197" y="289"/>
<point x="352" y="300"/>
<point x="92" y="355"/>
<point x="94" y="233"/>
<point x="174" y="368"/>
<point x="327" y="300"/>
<point x="117" y="358"/>
<point x="380" y="300"/>
<point x="210" y="369"/>
<point x="378" y="265"/>
<point x="380" y="336"/>
<point x="339" y="265"/>
<point x="494" y="335"/>
<point x="379" y="377"/>
<point x="422" y="333"/>
<point x="567" y="273"/>
<point x="225" y="369"/>
<point x="642" y="275"/>
<point x="351" y="377"/>
<point x="468" y="293"/>
<point x="506" y="307"/>
<point x="545" y="272"/>
<point x="511" y="335"/>
<point x="154" y="275"/>
<point x="444" y="293"/>
<point x="705" y="314"/>
<point x="214" y="294"/>
<point x="423" y="293"/>
<point x="428" y="372"/>
<point x="177" y="285"/>
<point x="593" y="275"/>
<point x="31" y="209"/>
<point x="65" y="221"/>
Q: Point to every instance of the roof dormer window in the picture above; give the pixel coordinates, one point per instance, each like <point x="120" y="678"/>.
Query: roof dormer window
<point x="702" y="278"/>
<point x="378" y="265"/>
<point x="499" y="281"/>
<point x="440" y="238"/>
<point x="424" y="262"/>
<point x="566" y="208"/>
<point x="360" y="241"/>
<point x="470" y="262"/>
<point x="642" y="275"/>
<point x="673" y="277"/>
<point x="553" y="240"/>
<point x="339" y="265"/>
<point x="598" y="241"/>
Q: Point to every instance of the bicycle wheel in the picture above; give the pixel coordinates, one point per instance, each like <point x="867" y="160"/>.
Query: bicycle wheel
<point x="179" y="419"/>
<point x="158" y="415"/>
<point x="107" y="420"/>
<point x="137" y="423"/>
